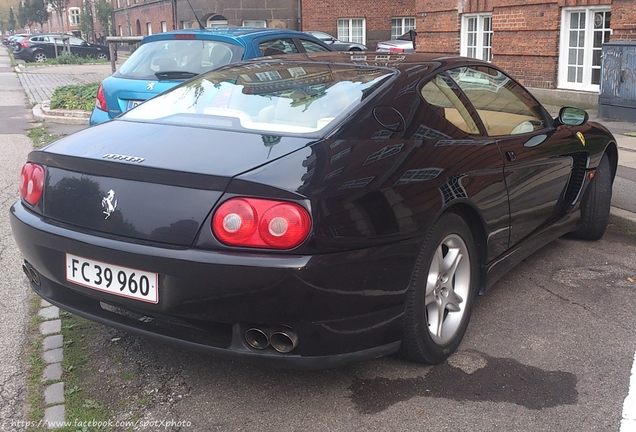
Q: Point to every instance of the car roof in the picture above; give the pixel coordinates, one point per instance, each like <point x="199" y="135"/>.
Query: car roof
<point x="224" y="33"/>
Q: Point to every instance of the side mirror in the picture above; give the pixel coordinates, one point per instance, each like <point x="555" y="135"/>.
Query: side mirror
<point x="571" y="116"/>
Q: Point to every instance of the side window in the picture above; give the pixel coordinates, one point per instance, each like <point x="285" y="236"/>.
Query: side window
<point x="312" y="46"/>
<point x="446" y="104"/>
<point x="277" y="47"/>
<point x="503" y="106"/>
<point x="75" y="41"/>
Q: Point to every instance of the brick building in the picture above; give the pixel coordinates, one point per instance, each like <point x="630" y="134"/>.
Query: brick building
<point x="68" y="21"/>
<point x="546" y="44"/>
<point x="144" y="17"/>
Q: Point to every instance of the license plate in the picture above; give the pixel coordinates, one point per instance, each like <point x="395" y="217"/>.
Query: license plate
<point x="132" y="103"/>
<point x="114" y="279"/>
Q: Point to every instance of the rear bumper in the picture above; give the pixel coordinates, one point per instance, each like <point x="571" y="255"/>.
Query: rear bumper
<point x="98" y="116"/>
<point x="208" y="299"/>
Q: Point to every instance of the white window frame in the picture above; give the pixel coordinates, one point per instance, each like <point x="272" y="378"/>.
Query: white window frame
<point x="255" y="23"/>
<point x="118" y="4"/>
<point x="400" y="27"/>
<point x="346" y="31"/>
<point x="483" y="36"/>
<point x="149" y="28"/>
<point x="74" y="14"/>
<point x="212" y="23"/>
<point x="164" y="26"/>
<point x="587" y="49"/>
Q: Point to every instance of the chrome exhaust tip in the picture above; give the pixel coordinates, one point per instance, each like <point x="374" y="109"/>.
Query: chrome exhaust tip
<point x="26" y="271"/>
<point x="31" y="273"/>
<point x="284" y="340"/>
<point x="256" y="338"/>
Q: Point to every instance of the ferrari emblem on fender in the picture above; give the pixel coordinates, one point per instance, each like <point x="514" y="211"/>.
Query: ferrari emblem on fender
<point x="150" y="86"/>
<point x="108" y="204"/>
<point x="581" y="137"/>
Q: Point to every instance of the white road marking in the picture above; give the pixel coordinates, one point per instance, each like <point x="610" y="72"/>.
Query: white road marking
<point x="628" y="423"/>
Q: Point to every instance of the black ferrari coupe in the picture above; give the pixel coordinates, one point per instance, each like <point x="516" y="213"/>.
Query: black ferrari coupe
<point x="310" y="210"/>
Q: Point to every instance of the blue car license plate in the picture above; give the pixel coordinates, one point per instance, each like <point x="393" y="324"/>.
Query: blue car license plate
<point x="132" y="103"/>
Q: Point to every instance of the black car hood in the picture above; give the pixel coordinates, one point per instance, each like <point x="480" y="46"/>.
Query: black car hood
<point x="147" y="181"/>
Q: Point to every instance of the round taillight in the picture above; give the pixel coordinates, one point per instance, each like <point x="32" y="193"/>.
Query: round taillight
<point x="234" y="221"/>
<point x="31" y="183"/>
<point x="253" y="222"/>
<point x="284" y="225"/>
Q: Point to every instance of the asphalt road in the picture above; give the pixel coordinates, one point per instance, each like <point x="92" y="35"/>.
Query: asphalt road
<point x="549" y="348"/>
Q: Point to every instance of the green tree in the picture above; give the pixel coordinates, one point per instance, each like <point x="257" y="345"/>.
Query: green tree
<point x="23" y="13"/>
<point x="86" y="22"/>
<point x="11" y="19"/>
<point x="38" y="12"/>
<point x="104" y="12"/>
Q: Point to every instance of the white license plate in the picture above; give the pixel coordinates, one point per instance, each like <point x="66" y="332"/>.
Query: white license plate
<point x="121" y="281"/>
<point x="132" y="103"/>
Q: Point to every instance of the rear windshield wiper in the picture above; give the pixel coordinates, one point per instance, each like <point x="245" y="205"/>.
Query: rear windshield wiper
<point x="175" y="75"/>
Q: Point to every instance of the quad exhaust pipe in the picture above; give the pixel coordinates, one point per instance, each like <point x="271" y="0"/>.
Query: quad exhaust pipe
<point x="282" y="339"/>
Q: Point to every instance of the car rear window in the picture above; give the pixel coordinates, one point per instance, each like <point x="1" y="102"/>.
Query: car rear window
<point x="274" y="98"/>
<point x="193" y="56"/>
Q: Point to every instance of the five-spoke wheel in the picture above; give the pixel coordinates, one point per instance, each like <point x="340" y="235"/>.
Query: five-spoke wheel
<point x="442" y="292"/>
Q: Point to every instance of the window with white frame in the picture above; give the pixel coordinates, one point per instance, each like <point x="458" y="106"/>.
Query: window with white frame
<point x="164" y="26"/>
<point x="121" y="31"/>
<point x="186" y="24"/>
<point x="583" y="33"/>
<point x="118" y="4"/>
<point x="74" y="16"/>
<point x="255" y="23"/>
<point x="476" y="40"/>
<point x="217" y="21"/>
<point x="399" y="26"/>
<point x="352" y="30"/>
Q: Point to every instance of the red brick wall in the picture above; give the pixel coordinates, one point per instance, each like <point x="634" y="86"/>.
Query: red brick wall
<point x="323" y="15"/>
<point x="277" y="13"/>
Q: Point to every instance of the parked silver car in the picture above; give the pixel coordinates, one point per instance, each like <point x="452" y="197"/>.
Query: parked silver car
<point x="404" y="43"/>
<point x="337" y="44"/>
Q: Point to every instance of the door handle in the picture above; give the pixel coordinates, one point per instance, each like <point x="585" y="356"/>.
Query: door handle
<point x="511" y="156"/>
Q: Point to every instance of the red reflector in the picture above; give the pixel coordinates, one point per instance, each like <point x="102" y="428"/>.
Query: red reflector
<point x="185" y="36"/>
<point x="252" y="222"/>
<point x="31" y="183"/>
<point x="396" y="50"/>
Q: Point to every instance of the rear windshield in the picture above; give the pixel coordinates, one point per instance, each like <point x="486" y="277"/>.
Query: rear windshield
<point x="274" y="98"/>
<point x="190" y="56"/>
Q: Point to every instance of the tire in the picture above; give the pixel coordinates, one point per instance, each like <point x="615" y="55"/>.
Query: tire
<point x="101" y="56"/>
<point x="595" y="207"/>
<point x="449" y="293"/>
<point x="39" y="57"/>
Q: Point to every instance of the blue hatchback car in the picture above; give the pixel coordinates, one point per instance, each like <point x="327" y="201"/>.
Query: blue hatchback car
<point x="164" y="60"/>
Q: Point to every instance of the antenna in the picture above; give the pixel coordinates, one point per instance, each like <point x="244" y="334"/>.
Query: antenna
<point x="195" y="15"/>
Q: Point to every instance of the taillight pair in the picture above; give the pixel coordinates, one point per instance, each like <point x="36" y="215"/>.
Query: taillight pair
<point x="31" y="183"/>
<point x="261" y="223"/>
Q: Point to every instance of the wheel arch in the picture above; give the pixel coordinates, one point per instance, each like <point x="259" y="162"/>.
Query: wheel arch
<point x="475" y="222"/>
<point x="612" y="153"/>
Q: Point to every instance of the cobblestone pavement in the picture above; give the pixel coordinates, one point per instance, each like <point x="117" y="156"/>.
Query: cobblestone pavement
<point x="40" y="82"/>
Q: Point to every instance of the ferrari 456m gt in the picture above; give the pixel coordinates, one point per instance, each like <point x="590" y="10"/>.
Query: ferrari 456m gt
<point x="310" y="210"/>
